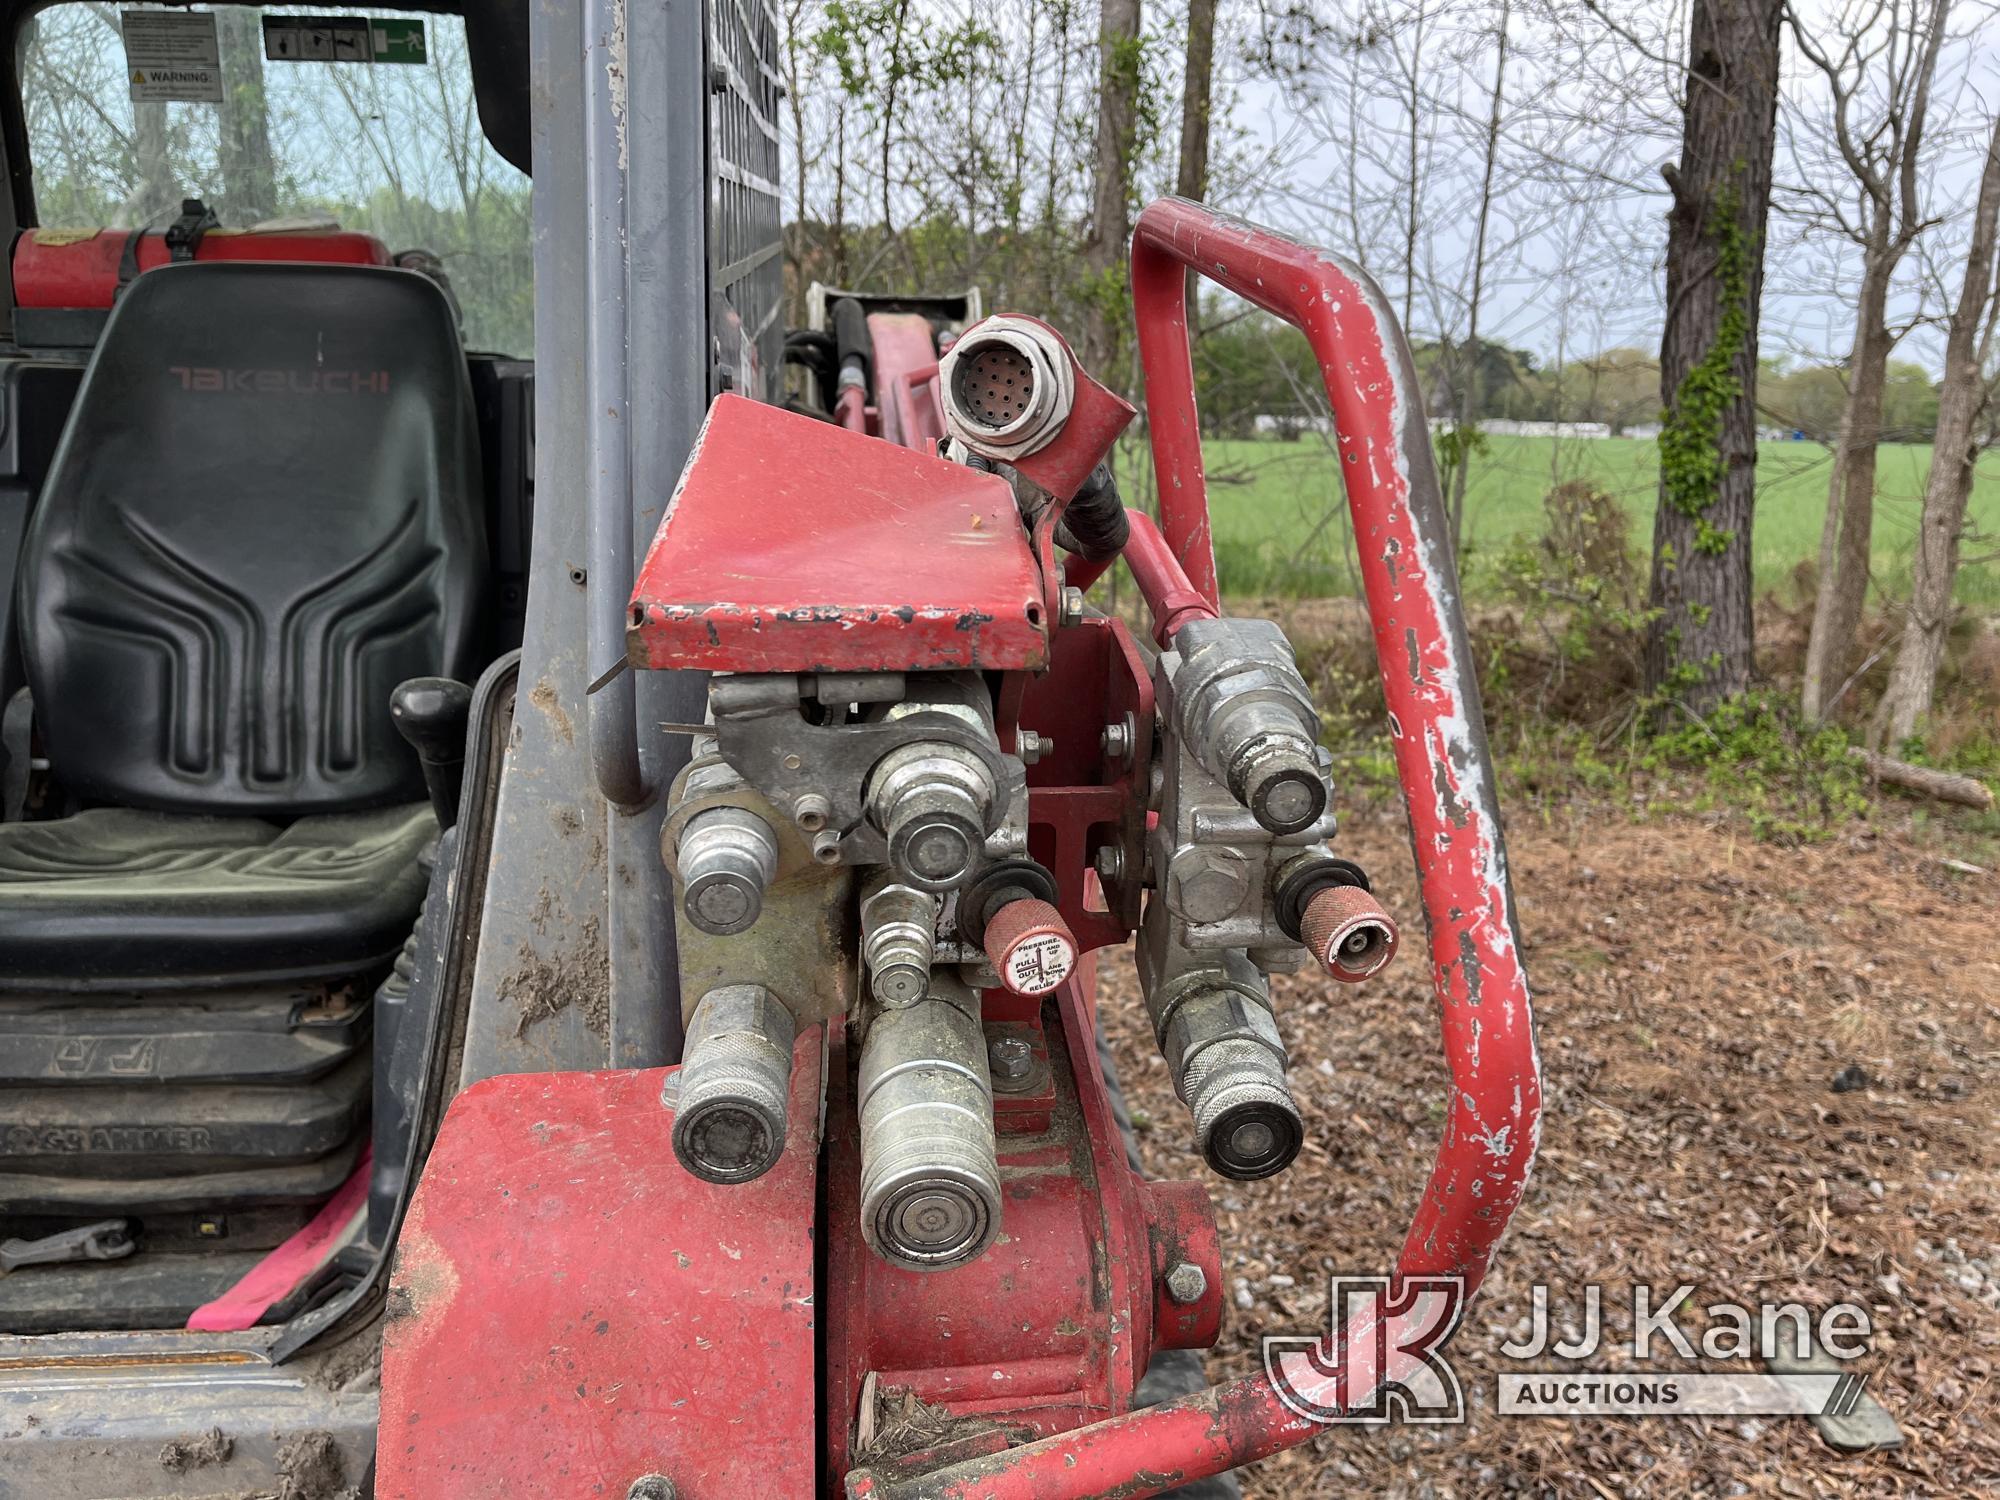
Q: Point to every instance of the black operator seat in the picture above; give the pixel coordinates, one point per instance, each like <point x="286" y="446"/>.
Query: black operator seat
<point x="264" y="515"/>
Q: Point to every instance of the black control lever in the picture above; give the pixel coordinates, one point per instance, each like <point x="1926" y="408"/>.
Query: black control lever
<point x="431" y="713"/>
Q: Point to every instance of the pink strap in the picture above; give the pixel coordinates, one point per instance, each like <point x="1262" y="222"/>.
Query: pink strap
<point x="291" y="1263"/>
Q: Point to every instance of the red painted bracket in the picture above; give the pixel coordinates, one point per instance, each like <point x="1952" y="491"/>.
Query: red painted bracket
<point x="1447" y="775"/>
<point x="571" y="1309"/>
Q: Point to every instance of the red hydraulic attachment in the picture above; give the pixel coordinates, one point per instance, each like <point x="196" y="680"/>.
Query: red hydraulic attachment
<point x="1447" y="776"/>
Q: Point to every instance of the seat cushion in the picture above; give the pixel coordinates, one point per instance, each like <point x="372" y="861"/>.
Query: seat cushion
<point x="120" y="899"/>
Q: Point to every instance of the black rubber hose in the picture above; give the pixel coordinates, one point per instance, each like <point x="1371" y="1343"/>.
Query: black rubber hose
<point x="850" y="337"/>
<point x="1094" y="527"/>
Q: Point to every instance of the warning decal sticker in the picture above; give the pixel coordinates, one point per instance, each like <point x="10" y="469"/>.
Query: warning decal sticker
<point x="171" y="55"/>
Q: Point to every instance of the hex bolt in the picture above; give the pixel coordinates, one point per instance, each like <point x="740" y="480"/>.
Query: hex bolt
<point x="1030" y="946"/>
<point x="1187" y="1284"/>
<point x="1012" y="1060"/>
<point x="735" y="1085"/>
<point x="1110" y="864"/>
<point x="811" y="811"/>
<point x="1348" y="933"/>
<point x="1117" y="740"/>
<point x="1207" y="884"/>
<point x="1072" y="607"/>
<point x="1032" y="747"/>
<point x="728" y="855"/>
<point x="652" y="1487"/>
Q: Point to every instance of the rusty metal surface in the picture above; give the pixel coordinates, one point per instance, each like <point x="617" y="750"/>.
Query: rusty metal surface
<point x="795" y="545"/>
<point x="571" y="1309"/>
<point x="1493" y="1118"/>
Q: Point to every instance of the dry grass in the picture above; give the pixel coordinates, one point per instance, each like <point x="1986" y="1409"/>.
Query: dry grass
<point x="1696" y="994"/>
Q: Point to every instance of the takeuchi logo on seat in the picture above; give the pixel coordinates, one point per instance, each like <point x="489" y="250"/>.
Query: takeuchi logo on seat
<point x="209" y="379"/>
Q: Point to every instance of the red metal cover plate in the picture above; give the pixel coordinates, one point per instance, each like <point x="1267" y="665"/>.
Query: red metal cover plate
<point x="572" y="1310"/>
<point x="793" y="545"/>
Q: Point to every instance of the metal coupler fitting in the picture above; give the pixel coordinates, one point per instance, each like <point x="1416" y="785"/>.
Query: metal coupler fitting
<point x="1244" y="711"/>
<point x="930" y="1174"/>
<point x="1324" y="902"/>
<point x="1227" y="1061"/>
<point x="735" y="1084"/>
<point x="931" y="799"/>
<point x="728" y="856"/>
<point x="898" y="940"/>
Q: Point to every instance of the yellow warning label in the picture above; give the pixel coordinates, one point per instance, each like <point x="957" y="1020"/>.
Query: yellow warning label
<point x="60" y="237"/>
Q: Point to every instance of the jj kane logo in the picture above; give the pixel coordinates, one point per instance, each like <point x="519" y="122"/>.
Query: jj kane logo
<point x="1382" y="1357"/>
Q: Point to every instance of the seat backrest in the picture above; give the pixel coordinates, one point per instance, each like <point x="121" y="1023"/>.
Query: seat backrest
<point x="263" y="515"/>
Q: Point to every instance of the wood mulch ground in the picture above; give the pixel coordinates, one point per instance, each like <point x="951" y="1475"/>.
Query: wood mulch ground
<point x="1697" y="993"/>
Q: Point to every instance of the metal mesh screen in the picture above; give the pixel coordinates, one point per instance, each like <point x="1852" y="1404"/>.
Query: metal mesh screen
<point x="746" y="267"/>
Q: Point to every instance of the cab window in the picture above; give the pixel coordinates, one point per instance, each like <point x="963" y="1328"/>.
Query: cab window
<point x="294" y="122"/>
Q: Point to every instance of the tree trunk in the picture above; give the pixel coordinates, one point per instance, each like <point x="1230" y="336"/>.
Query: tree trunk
<point x="1846" y="537"/>
<point x="154" y="191"/>
<point x="249" y="175"/>
<point x="1913" y="678"/>
<point x="1118" y="69"/>
<point x="1468" y="399"/>
<point x="1699" y="644"/>
<point x="1191" y="180"/>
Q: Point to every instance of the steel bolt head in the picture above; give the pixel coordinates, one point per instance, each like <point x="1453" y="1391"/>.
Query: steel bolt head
<point x="652" y="1487"/>
<point x="1116" y="742"/>
<point x="1187" y="1284"/>
<point x="1010" y="1058"/>
<point x="1208" y="883"/>
<point x="1072" y="606"/>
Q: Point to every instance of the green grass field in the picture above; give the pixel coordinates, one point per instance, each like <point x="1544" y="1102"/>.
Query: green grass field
<point x="1280" y="520"/>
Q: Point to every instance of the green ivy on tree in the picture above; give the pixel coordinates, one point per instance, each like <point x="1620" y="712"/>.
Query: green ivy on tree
<point x="1691" y="461"/>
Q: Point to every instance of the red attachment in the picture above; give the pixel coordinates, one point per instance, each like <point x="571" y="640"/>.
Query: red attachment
<point x="793" y="545"/>
<point x="1493" y="1119"/>
<point x="1051" y="1327"/>
<point x="81" y="267"/>
<point x="1030" y="946"/>
<point x="906" y="364"/>
<point x="571" y="1309"/>
<point x="1083" y="797"/>
<point x="850" y="409"/>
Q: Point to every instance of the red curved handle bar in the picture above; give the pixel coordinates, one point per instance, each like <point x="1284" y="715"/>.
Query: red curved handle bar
<point x="1447" y="775"/>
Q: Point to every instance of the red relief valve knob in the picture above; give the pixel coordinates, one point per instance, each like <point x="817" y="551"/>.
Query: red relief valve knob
<point x="1030" y="946"/>
<point x="1348" y="933"/>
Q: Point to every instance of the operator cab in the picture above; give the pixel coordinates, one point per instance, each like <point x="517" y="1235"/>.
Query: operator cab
<point x="264" y="517"/>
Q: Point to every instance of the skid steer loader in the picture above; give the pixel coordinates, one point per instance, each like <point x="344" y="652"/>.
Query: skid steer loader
<point x="550" y="908"/>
